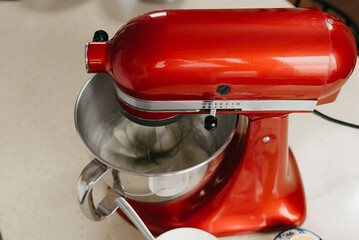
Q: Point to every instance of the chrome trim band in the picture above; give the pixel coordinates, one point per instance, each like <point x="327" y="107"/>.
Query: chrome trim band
<point x="237" y="105"/>
<point x="86" y="58"/>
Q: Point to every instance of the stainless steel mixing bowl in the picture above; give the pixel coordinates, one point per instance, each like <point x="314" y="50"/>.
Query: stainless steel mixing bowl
<point x="194" y="155"/>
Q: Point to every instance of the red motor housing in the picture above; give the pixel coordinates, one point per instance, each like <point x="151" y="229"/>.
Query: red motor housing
<point x="258" y="54"/>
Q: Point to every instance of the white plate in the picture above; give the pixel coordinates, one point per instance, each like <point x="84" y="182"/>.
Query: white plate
<point x="187" y="234"/>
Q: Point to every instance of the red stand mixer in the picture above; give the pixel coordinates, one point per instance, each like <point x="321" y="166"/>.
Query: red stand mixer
<point x="259" y="63"/>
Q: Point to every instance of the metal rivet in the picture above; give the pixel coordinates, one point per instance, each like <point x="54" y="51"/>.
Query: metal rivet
<point x="266" y="139"/>
<point x="331" y="21"/>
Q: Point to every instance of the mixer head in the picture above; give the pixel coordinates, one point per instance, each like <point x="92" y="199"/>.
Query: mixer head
<point x="255" y="62"/>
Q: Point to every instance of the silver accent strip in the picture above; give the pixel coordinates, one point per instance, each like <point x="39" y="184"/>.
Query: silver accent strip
<point x="237" y="105"/>
<point x="86" y="59"/>
<point x="213" y="112"/>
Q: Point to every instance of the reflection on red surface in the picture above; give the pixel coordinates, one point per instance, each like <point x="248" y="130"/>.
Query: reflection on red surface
<point x="256" y="188"/>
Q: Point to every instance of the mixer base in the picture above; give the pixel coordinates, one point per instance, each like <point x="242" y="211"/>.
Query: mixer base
<point x="263" y="193"/>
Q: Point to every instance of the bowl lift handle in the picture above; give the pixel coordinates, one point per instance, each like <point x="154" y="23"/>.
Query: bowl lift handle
<point x="113" y="199"/>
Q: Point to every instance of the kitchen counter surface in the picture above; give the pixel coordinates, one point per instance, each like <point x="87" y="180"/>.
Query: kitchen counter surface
<point x="42" y="71"/>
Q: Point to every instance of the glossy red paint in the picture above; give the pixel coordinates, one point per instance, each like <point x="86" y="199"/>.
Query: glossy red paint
<point x="256" y="188"/>
<point x="259" y="53"/>
<point x="97" y="57"/>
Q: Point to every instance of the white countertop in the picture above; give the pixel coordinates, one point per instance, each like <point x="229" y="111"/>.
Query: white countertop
<point x="42" y="71"/>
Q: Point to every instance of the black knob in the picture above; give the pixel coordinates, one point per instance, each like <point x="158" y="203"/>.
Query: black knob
<point x="223" y="89"/>
<point x="210" y="123"/>
<point x="100" y="36"/>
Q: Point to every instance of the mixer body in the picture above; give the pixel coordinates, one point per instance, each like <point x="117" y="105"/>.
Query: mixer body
<point x="261" y="63"/>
